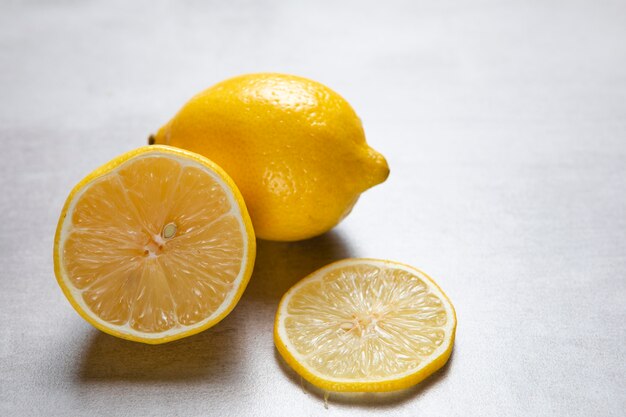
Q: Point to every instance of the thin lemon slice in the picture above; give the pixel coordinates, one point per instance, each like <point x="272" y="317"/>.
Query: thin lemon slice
<point x="365" y="325"/>
<point x="154" y="246"/>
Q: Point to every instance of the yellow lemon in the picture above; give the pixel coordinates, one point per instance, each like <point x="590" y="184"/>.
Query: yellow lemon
<point x="155" y="245"/>
<point x="365" y="325"/>
<point x="295" y="148"/>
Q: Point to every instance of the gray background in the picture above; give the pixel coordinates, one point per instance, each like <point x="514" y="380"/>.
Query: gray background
<point x="504" y="123"/>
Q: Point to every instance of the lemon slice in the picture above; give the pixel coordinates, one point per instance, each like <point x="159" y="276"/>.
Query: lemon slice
<point x="365" y="325"/>
<point x="154" y="246"/>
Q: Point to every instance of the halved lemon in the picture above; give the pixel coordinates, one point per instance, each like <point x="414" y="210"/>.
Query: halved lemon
<point x="155" y="245"/>
<point x="365" y="325"/>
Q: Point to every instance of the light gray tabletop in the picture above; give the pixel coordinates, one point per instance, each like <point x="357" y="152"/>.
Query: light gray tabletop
<point x="504" y="124"/>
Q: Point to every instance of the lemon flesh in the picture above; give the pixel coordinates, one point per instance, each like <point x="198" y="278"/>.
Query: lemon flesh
<point x="295" y="148"/>
<point x="154" y="246"/>
<point x="365" y="325"/>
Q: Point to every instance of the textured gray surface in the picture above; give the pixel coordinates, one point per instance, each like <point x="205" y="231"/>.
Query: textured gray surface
<point x="504" y="124"/>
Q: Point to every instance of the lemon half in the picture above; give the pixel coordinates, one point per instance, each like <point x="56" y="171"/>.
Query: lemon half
<point x="365" y="325"/>
<point x="155" y="245"/>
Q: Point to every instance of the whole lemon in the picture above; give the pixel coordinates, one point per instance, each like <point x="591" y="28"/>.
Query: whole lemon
<point x="295" y="148"/>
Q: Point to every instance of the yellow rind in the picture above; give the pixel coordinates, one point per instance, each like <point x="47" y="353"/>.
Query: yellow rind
<point x="295" y="148"/>
<point x="377" y="386"/>
<point x="108" y="167"/>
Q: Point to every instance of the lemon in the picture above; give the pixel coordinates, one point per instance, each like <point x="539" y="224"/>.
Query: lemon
<point x="295" y="148"/>
<point x="365" y="325"/>
<point x="155" y="245"/>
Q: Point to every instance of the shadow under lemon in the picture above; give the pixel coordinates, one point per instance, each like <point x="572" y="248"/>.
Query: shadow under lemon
<point x="279" y="265"/>
<point x="365" y="399"/>
<point x="207" y="356"/>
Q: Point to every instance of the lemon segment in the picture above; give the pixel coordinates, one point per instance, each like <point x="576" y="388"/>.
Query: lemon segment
<point x="154" y="246"/>
<point x="365" y="325"/>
